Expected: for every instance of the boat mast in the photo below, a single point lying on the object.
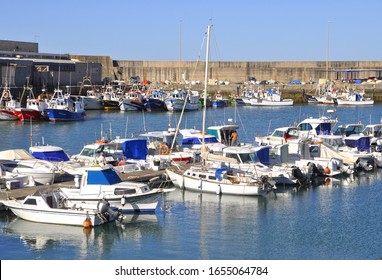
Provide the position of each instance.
(206, 81)
(327, 55)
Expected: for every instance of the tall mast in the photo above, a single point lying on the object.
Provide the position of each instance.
(327, 55)
(206, 81)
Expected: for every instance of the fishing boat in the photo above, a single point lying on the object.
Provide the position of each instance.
(7, 105)
(353, 99)
(35, 108)
(155, 101)
(219, 101)
(62, 108)
(91, 97)
(271, 97)
(132, 101)
(54, 208)
(104, 182)
(111, 99)
(178, 99)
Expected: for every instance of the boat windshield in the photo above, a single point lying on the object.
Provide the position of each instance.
(244, 157)
(249, 158)
(103, 177)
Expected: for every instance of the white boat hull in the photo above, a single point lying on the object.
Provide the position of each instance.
(53, 216)
(209, 186)
(143, 203)
(264, 102)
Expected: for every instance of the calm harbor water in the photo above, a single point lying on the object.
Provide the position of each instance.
(339, 221)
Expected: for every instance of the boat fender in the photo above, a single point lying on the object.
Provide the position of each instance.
(123, 201)
(219, 190)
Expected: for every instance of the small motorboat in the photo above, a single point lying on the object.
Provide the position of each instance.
(54, 208)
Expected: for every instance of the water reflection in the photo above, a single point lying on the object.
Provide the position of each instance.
(83, 243)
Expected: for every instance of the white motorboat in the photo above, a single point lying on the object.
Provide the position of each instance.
(12, 181)
(19, 161)
(225, 181)
(104, 182)
(54, 208)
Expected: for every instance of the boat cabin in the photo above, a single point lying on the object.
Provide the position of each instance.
(349, 129)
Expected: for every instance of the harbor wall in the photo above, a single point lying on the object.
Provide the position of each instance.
(235, 72)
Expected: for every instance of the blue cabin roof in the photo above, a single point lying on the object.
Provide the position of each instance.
(103, 177)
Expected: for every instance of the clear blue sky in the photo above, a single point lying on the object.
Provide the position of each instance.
(243, 30)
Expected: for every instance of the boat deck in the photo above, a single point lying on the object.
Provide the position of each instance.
(136, 176)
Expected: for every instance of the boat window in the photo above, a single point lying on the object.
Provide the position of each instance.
(202, 176)
(211, 140)
(87, 152)
(31, 201)
(249, 158)
(278, 133)
(11, 165)
(305, 126)
(324, 129)
(313, 149)
(234, 156)
(122, 191)
(212, 178)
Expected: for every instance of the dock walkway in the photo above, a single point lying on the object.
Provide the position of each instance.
(136, 176)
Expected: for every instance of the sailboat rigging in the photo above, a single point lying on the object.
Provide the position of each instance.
(209, 178)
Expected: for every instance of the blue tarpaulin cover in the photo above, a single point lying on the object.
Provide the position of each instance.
(52, 156)
(219, 173)
(135, 149)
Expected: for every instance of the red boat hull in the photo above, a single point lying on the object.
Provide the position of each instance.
(29, 114)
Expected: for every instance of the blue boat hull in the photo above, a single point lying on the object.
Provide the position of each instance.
(64, 115)
(155, 105)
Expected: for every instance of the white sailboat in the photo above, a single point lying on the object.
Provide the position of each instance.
(209, 178)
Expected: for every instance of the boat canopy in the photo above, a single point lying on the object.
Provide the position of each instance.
(361, 143)
(135, 149)
(103, 177)
(53, 155)
(15, 154)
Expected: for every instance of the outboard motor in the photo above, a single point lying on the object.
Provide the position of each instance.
(267, 185)
(297, 173)
(365, 164)
(314, 171)
(108, 212)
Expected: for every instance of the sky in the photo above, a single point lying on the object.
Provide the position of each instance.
(173, 30)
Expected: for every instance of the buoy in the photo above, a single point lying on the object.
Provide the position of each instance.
(327, 170)
(87, 223)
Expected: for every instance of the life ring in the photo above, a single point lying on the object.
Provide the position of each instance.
(164, 149)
